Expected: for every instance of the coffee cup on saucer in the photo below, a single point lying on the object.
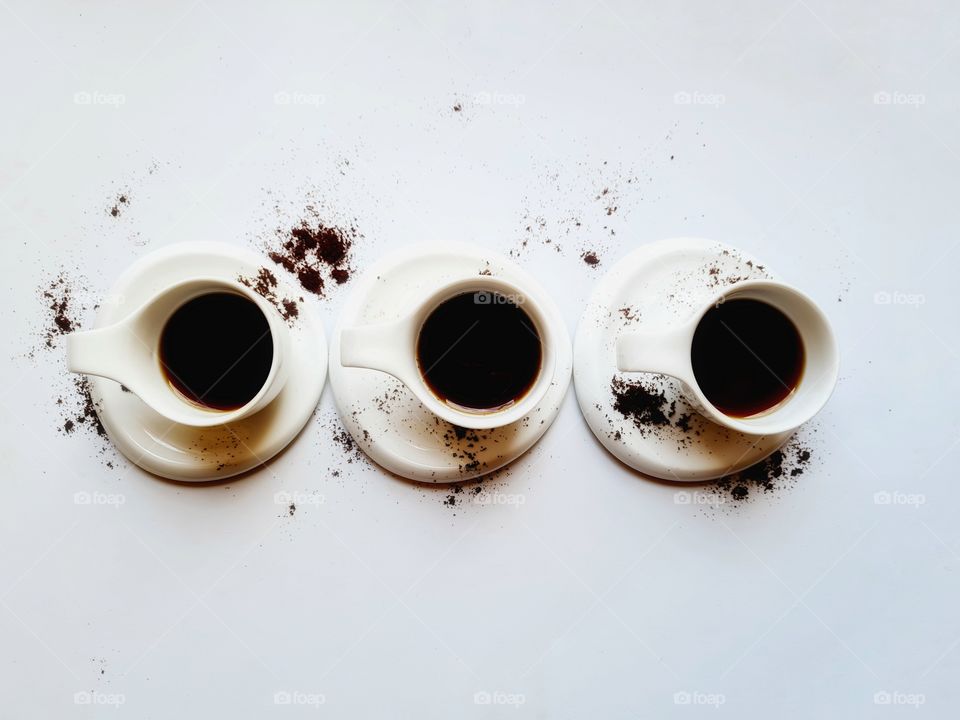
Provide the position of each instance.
(478, 352)
(760, 358)
(202, 352)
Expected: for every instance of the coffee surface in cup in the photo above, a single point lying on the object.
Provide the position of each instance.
(479, 351)
(747, 356)
(217, 350)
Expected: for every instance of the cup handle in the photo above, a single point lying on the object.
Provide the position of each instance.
(105, 352)
(666, 353)
(385, 347)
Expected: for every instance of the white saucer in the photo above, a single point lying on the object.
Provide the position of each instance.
(190, 454)
(656, 286)
(384, 417)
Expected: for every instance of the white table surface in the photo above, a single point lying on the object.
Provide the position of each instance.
(600, 595)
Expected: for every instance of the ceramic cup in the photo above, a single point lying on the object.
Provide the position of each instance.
(669, 353)
(129, 352)
(392, 348)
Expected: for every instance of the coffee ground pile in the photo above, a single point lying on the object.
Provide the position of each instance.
(647, 406)
(265, 285)
(316, 253)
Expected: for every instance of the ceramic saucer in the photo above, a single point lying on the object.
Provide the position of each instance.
(191, 454)
(655, 287)
(384, 417)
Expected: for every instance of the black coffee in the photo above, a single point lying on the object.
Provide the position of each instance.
(217, 350)
(747, 356)
(479, 351)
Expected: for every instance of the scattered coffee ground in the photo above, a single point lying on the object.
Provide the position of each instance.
(610, 204)
(62, 301)
(121, 202)
(718, 278)
(535, 230)
(79, 414)
(88, 410)
(391, 397)
(265, 285)
(647, 406)
(458, 107)
(102, 662)
(775, 472)
(584, 205)
(459, 494)
(225, 447)
(58, 296)
(316, 253)
(468, 493)
(629, 314)
(465, 445)
(344, 440)
(292, 509)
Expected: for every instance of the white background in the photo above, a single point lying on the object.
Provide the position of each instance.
(599, 596)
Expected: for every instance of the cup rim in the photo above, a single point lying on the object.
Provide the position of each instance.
(749, 425)
(193, 413)
(481, 419)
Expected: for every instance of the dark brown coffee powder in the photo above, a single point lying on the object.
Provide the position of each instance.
(265, 285)
(646, 404)
(316, 253)
(58, 297)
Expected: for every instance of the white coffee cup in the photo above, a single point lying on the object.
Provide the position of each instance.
(129, 352)
(392, 348)
(669, 353)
